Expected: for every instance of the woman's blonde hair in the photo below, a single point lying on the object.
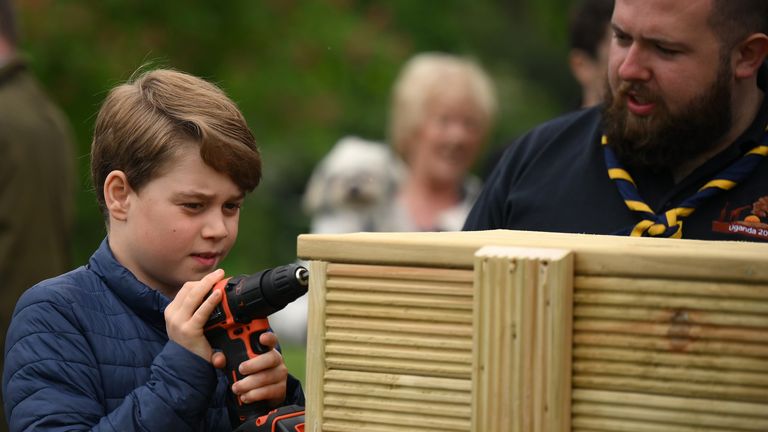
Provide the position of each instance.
(143, 123)
(431, 74)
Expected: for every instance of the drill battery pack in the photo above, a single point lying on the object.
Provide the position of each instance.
(289, 418)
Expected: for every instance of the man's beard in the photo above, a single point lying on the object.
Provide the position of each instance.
(664, 139)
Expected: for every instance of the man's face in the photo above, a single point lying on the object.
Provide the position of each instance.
(670, 87)
(181, 224)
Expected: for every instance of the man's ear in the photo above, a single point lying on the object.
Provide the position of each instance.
(749, 55)
(117, 193)
(582, 66)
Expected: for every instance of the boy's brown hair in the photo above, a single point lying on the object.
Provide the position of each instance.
(144, 122)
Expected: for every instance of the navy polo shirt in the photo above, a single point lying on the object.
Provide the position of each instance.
(554, 179)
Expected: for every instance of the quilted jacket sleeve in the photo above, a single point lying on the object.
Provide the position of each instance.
(52, 382)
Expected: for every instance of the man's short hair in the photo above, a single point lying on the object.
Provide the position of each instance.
(588, 25)
(734, 20)
(143, 123)
(432, 74)
(8, 29)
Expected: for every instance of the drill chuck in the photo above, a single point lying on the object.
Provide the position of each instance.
(266, 292)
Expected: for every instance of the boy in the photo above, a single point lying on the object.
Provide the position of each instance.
(118, 344)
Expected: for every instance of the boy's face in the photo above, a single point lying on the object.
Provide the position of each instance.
(180, 225)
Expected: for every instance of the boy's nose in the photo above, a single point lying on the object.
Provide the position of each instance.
(215, 227)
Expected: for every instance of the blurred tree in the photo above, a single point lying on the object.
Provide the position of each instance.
(303, 72)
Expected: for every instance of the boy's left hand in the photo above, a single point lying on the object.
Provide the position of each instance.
(266, 376)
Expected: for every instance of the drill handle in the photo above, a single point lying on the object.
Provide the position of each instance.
(238, 345)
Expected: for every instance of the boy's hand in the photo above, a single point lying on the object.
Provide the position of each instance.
(266, 376)
(187, 314)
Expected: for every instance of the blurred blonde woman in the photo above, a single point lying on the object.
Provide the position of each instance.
(443, 107)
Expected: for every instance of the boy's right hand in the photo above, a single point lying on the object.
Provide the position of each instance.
(186, 315)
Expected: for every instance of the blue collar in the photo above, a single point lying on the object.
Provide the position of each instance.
(147, 303)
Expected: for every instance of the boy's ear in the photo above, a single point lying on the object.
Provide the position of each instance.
(751, 53)
(117, 193)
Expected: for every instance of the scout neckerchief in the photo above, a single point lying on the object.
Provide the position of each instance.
(670, 223)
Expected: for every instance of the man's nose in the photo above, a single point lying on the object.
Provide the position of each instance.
(634, 66)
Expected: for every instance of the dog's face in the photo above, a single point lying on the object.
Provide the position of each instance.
(356, 174)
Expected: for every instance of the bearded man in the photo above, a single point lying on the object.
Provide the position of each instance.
(678, 148)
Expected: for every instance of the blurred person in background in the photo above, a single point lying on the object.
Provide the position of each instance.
(589, 40)
(442, 110)
(37, 175)
(443, 107)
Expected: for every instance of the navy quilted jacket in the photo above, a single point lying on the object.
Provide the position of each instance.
(88, 350)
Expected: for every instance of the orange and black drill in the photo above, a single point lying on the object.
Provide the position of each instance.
(238, 321)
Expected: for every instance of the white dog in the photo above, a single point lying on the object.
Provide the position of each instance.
(350, 184)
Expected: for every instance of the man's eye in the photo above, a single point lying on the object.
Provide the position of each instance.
(666, 51)
(192, 206)
(622, 38)
(232, 206)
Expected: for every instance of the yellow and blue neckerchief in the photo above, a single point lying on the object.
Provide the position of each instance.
(670, 223)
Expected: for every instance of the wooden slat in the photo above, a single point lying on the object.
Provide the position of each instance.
(403, 312)
(382, 339)
(682, 372)
(410, 273)
(581, 423)
(400, 381)
(672, 418)
(424, 420)
(384, 353)
(415, 395)
(671, 344)
(673, 329)
(355, 426)
(407, 300)
(461, 411)
(716, 362)
(693, 405)
(671, 302)
(401, 326)
(639, 313)
(672, 388)
(673, 287)
(316, 366)
(400, 286)
(395, 366)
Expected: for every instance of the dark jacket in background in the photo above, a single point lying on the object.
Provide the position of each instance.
(37, 174)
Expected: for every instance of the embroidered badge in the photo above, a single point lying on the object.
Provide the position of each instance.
(749, 220)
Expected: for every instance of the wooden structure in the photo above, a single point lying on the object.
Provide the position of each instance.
(535, 332)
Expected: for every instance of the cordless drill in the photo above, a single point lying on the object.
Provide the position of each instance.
(237, 322)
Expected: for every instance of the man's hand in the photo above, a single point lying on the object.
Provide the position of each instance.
(186, 315)
(266, 376)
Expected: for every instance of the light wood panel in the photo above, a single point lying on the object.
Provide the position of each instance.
(655, 334)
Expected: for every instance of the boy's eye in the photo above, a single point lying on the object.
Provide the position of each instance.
(232, 206)
(192, 206)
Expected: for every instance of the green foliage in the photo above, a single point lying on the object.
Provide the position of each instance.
(304, 73)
